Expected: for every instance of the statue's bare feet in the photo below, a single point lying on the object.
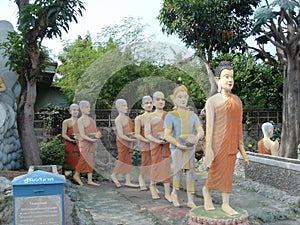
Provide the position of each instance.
(175, 201)
(168, 198)
(142, 183)
(93, 183)
(191, 205)
(208, 204)
(129, 184)
(153, 191)
(115, 180)
(228, 210)
(77, 179)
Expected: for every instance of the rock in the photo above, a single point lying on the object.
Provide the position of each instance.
(6, 211)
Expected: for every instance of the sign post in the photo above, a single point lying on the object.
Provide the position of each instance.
(38, 199)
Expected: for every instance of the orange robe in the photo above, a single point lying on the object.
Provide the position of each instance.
(262, 149)
(87, 150)
(224, 137)
(145, 154)
(160, 155)
(72, 150)
(125, 150)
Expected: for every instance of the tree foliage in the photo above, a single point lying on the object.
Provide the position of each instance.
(39, 20)
(277, 24)
(136, 81)
(129, 32)
(91, 60)
(76, 58)
(208, 26)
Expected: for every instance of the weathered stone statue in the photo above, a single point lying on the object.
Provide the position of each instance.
(224, 136)
(88, 135)
(71, 138)
(266, 145)
(160, 149)
(125, 138)
(10, 89)
(182, 130)
(139, 128)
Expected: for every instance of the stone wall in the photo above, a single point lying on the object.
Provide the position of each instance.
(278, 172)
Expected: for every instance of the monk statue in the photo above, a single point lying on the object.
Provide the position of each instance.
(71, 146)
(160, 149)
(139, 127)
(182, 130)
(125, 140)
(224, 136)
(266, 145)
(87, 138)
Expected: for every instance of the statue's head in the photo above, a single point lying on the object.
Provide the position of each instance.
(83, 103)
(267, 129)
(121, 105)
(84, 107)
(159, 99)
(147, 103)
(224, 76)
(73, 106)
(74, 109)
(180, 96)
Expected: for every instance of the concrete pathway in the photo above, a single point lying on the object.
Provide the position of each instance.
(108, 205)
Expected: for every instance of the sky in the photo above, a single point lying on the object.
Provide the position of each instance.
(100, 13)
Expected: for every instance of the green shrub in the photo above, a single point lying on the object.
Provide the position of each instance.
(136, 158)
(250, 144)
(54, 117)
(53, 152)
(276, 132)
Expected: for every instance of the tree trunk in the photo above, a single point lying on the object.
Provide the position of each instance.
(211, 77)
(25, 119)
(21, 3)
(290, 136)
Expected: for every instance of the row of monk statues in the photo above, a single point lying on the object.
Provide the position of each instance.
(168, 140)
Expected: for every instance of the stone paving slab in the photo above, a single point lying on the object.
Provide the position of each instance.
(108, 207)
(164, 211)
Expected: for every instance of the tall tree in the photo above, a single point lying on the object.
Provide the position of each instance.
(278, 23)
(42, 19)
(208, 26)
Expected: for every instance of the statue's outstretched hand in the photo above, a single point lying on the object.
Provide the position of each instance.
(183, 147)
(208, 158)
(244, 154)
(247, 160)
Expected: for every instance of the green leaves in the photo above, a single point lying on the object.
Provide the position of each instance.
(48, 18)
(14, 50)
(262, 16)
(205, 24)
(53, 152)
(287, 5)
